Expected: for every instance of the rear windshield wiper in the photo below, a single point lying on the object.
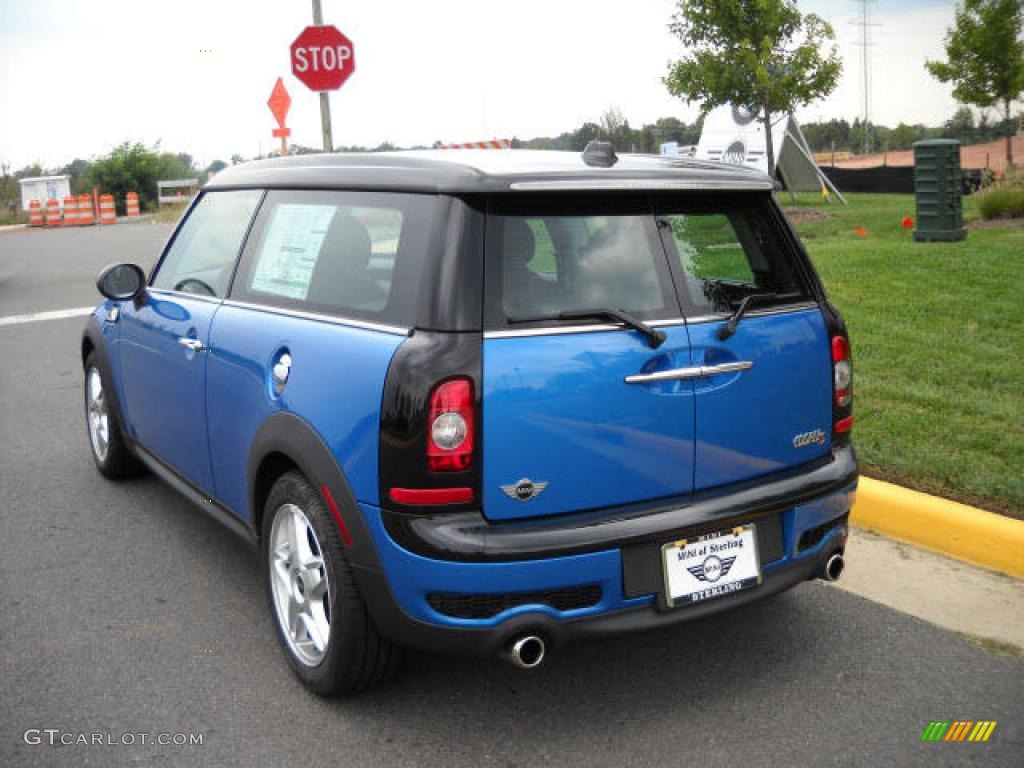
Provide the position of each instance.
(654, 337)
(727, 330)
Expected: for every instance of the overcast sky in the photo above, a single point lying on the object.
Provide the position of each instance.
(79, 76)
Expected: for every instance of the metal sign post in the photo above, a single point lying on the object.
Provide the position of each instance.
(323, 59)
(325, 104)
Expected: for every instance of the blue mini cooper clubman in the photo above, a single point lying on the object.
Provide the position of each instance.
(485, 402)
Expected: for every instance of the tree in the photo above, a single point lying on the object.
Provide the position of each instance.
(763, 55)
(584, 135)
(136, 168)
(216, 166)
(985, 56)
(78, 171)
(30, 172)
(960, 126)
(615, 128)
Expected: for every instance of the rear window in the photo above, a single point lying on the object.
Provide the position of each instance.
(655, 259)
(349, 254)
(554, 259)
(726, 255)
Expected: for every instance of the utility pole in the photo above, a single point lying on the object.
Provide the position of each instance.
(325, 104)
(865, 43)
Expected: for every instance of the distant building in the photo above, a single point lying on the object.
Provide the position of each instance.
(43, 188)
(674, 149)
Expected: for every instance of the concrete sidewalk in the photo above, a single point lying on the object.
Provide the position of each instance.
(935, 588)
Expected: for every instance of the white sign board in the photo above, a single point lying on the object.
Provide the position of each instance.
(733, 135)
(43, 188)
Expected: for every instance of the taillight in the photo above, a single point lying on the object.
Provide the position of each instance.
(842, 371)
(450, 434)
(842, 388)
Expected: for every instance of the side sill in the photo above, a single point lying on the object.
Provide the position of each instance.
(210, 506)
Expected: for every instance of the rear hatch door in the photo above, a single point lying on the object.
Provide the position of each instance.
(771, 406)
(563, 430)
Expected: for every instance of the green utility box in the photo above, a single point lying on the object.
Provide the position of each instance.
(937, 184)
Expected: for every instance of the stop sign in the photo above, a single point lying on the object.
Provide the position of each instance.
(323, 58)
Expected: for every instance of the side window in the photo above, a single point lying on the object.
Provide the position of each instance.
(343, 253)
(342, 257)
(202, 256)
(727, 256)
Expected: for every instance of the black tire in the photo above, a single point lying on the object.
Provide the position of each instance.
(117, 461)
(356, 657)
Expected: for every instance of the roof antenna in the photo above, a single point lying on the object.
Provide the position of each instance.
(600, 154)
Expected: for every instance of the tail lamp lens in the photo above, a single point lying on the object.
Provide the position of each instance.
(842, 371)
(450, 444)
(449, 431)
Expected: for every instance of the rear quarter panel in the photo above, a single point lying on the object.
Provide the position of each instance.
(335, 385)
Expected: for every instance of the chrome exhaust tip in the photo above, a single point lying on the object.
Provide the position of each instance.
(527, 652)
(834, 567)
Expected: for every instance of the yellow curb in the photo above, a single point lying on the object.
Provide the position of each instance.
(966, 533)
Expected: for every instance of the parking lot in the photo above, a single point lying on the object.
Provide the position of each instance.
(125, 611)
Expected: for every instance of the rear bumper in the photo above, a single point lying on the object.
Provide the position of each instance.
(619, 554)
(401, 627)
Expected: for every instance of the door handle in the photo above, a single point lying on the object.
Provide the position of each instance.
(693, 372)
(194, 344)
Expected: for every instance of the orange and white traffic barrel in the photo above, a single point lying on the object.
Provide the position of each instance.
(35, 214)
(131, 204)
(70, 211)
(488, 144)
(52, 213)
(85, 215)
(107, 215)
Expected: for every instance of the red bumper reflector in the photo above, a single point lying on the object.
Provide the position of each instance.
(431, 495)
(336, 514)
(843, 425)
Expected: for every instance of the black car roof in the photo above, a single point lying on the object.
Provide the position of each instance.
(467, 171)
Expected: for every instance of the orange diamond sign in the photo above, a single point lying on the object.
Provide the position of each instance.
(280, 102)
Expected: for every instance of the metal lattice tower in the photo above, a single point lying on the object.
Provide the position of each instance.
(865, 43)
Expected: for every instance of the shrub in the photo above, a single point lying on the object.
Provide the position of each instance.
(1004, 199)
(137, 168)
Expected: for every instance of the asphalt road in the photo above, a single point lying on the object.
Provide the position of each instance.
(125, 611)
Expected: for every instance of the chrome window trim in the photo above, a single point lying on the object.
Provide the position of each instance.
(558, 330)
(185, 295)
(782, 310)
(318, 317)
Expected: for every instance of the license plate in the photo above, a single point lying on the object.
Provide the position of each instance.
(710, 566)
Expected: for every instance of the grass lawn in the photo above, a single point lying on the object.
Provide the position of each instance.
(169, 214)
(938, 345)
(8, 218)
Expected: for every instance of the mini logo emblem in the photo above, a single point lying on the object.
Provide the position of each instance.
(524, 490)
(712, 569)
(814, 437)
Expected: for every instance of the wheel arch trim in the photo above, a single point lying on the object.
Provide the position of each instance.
(94, 341)
(294, 440)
